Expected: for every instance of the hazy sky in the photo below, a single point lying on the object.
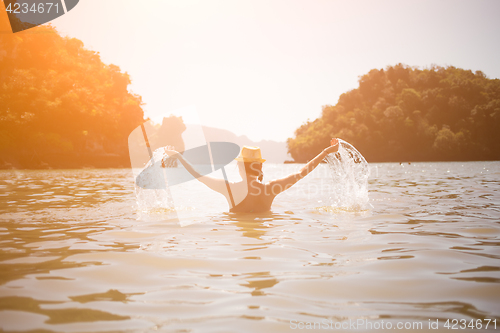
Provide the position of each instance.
(262, 68)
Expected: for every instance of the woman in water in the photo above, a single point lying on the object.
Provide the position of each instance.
(250, 194)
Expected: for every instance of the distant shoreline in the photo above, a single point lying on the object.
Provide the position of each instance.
(64, 161)
(113, 161)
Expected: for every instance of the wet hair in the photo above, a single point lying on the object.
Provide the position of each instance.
(254, 169)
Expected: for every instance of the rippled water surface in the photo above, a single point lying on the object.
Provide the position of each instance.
(76, 254)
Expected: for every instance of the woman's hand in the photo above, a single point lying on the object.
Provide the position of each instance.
(170, 151)
(333, 148)
(170, 160)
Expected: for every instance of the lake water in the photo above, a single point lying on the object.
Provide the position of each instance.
(78, 255)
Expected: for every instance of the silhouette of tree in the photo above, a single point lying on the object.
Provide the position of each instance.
(57, 97)
(404, 113)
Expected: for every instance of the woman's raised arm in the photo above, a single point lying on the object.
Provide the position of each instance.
(280, 185)
(218, 185)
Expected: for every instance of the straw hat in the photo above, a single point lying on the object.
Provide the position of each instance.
(250, 154)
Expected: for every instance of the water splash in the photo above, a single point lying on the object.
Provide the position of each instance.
(150, 201)
(349, 173)
(153, 202)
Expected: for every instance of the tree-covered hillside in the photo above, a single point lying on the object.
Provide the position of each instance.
(408, 114)
(59, 101)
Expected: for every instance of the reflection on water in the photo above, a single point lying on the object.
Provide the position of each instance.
(74, 257)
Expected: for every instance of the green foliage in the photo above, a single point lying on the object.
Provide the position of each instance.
(58, 97)
(410, 114)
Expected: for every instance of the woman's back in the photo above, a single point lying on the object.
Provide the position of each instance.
(259, 198)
